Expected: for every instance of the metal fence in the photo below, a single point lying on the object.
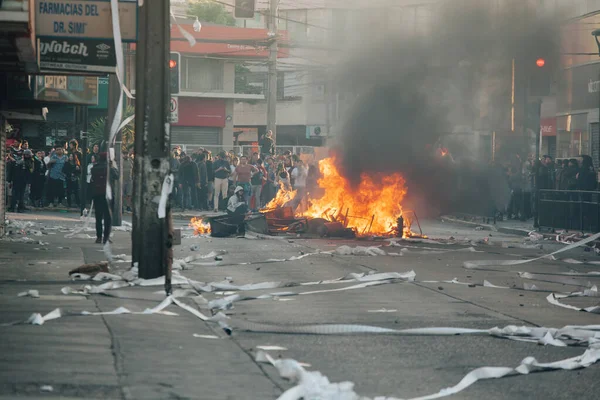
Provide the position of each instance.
(569, 209)
(246, 150)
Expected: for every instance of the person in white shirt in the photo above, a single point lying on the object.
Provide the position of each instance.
(299, 174)
(237, 208)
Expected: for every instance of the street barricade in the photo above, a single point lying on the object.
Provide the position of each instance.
(569, 209)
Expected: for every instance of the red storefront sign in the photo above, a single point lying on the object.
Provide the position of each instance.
(548, 126)
(194, 111)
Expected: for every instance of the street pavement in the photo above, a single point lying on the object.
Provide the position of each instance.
(155, 356)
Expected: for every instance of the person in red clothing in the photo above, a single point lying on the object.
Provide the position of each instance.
(242, 176)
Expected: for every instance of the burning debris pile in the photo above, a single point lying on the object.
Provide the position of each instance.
(371, 207)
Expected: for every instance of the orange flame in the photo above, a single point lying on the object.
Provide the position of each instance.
(283, 197)
(200, 227)
(372, 207)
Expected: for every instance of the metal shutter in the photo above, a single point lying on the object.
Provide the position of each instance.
(594, 128)
(194, 135)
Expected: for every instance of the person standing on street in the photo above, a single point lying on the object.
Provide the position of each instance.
(267, 145)
(299, 174)
(210, 174)
(242, 176)
(98, 184)
(202, 182)
(221, 172)
(95, 153)
(72, 172)
(188, 182)
(38, 180)
(259, 178)
(20, 176)
(56, 177)
(75, 151)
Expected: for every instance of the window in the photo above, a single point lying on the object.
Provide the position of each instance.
(289, 86)
(201, 75)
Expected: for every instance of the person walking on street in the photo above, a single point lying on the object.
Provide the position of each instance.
(100, 179)
(21, 174)
(221, 172)
(56, 177)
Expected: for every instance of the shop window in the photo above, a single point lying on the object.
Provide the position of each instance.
(201, 75)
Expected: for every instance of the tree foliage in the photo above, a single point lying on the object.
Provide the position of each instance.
(96, 132)
(241, 81)
(208, 11)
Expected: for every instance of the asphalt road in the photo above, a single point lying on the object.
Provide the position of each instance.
(158, 357)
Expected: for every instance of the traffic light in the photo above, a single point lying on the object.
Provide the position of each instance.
(244, 9)
(540, 81)
(174, 69)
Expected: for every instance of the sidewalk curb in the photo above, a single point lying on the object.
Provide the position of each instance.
(487, 227)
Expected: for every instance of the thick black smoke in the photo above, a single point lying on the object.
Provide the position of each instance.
(409, 92)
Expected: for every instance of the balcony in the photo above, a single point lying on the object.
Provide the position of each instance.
(17, 36)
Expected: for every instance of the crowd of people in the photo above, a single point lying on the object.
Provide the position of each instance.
(50, 179)
(525, 178)
(204, 182)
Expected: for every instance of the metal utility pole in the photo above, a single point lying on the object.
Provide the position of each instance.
(81, 120)
(152, 238)
(272, 95)
(114, 91)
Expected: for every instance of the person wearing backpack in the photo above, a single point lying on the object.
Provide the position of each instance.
(98, 184)
(258, 179)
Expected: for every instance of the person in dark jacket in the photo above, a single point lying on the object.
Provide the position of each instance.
(210, 173)
(267, 145)
(72, 172)
(203, 182)
(100, 172)
(38, 180)
(21, 173)
(188, 182)
(586, 178)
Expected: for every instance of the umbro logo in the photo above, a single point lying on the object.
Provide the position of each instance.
(103, 47)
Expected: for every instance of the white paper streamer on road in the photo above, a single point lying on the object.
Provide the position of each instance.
(314, 385)
(564, 280)
(492, 263)
(553, 299)
(30, 293)
(37, 319)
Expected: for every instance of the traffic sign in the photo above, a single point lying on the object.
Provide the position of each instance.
(174, 106)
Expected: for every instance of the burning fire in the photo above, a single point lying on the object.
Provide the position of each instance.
(372, 207)
(283, 197)
(200, 227)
